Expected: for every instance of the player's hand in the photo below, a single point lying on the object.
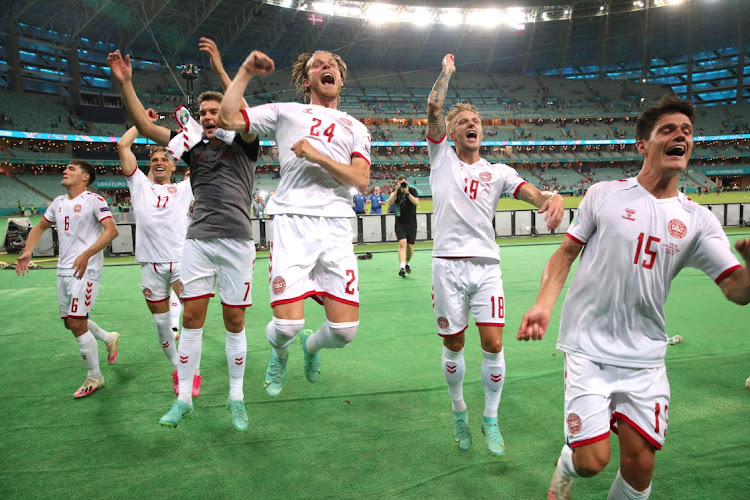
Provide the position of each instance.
(152, 115)
(80, 265)
(209, 47)
(22, 266)
(555, 209)
(449, 64)
(257, 63)
(303, 149)
(121, 68)
(743, 247)
(533, 324)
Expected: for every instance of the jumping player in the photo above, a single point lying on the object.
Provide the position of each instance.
(639, 233)
(323, 154)
(84, 228)
(219, 251)
(465, 266)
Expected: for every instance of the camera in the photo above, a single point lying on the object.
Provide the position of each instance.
(404, 185)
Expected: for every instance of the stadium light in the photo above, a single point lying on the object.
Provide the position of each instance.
(420, 16)
(324, 7)
(380, 13)
(450, 17)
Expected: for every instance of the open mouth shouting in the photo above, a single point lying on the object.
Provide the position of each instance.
(327, 79)
(677, 150)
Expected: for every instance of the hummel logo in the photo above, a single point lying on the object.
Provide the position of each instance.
(238, 361)
(629, 212)
(450, 369)
(496, 378)
(309, 111)
(184, 359)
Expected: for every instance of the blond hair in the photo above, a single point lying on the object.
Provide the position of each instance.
(301, 67)
(450, 118)
(160, 149)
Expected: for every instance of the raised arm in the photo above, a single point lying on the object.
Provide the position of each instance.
(435, 118)
(32, 239)
(122, 71)
(536, 320)
(736, 286)
(546, 201)
(230, 113)
(128, 162)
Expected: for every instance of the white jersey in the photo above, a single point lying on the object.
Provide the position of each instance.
(465, 199)
(78, 227)
(160, 218)
(635, 246)
(307, 188)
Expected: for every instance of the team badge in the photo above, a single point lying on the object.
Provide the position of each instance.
(574, 423)
(77, 208)
(183, 117)
(485, 177)
(278, 285)
(147, 293)
(443, 323)
(172, 189)
(677, 228)
(346, 122)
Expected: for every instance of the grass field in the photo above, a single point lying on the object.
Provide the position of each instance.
(378, 422)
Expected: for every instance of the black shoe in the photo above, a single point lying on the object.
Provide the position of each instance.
(402, 272)
(407, 269)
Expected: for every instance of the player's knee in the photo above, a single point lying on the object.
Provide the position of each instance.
(281, 332)
(638, 466)
(589, 463)
(343, 333)
(454, 343)
(492, 345)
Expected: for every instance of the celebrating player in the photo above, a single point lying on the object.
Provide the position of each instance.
(323, 154)
(639, 233)
(84, 228)
(219, 250)
(465, 266)
(160, 225)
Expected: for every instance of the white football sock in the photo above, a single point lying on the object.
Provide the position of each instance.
(175, 308)
(236, 349)
(166, 337)
(188, 355)
(621, 490)
(99, 333)
(454, 369)
(493, 376)
(565, 463)
(332, 336)
(90, 354)
(280, 333)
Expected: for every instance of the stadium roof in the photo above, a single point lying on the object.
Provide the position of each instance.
(609, 38)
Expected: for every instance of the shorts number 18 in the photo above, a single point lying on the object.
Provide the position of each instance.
(498, 307)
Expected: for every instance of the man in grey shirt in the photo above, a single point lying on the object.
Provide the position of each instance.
(219, 251)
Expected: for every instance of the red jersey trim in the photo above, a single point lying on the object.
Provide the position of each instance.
(727, 273)
(45, 218)
(209, 295)
(575, 239)
(247, 120)
(76, 317)
(132, 174)
(632, 424)
(453, 334)
(433, 141)
(316, 296)
(107, 217)
(453, 258)
(238, 305)
(156, 301)
(515, 193)
(338, 299)
(361, 156)
(491, 324)
(592, 440)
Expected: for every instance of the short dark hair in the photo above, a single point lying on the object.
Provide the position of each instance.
(667, 105)
(210, 95)
(86, 167)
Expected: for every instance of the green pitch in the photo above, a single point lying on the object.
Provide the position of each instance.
(377, 424)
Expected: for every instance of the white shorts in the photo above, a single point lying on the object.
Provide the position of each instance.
(312, 257)
(462, 284)
(76, 297)
(157, 279)
(222, 263)
(596, 395)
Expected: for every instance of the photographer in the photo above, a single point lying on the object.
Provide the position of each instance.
(405, 199)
